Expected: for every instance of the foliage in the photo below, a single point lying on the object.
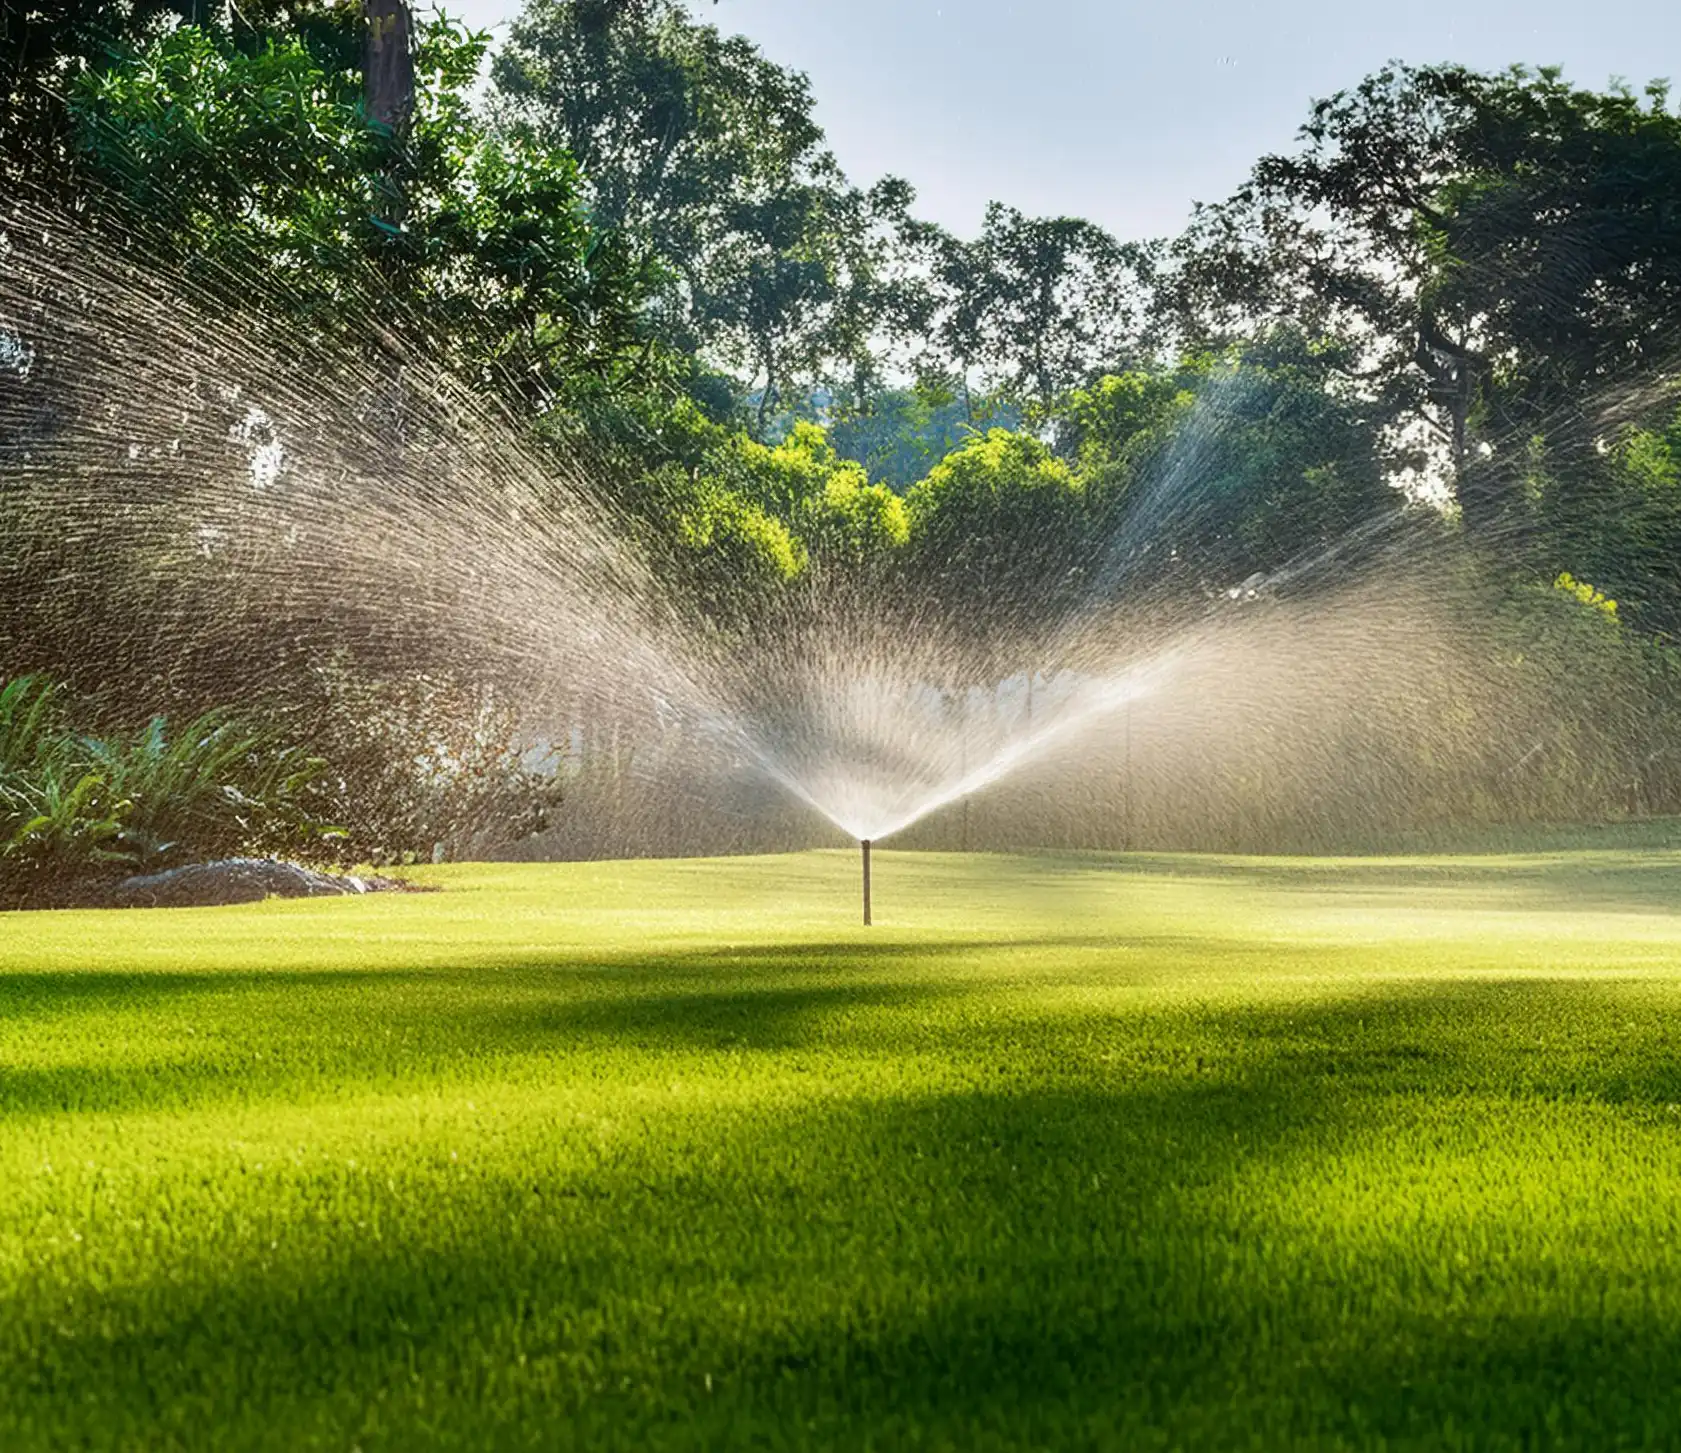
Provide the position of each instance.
(1501, 247)
(1270, 462)
(56, 812)
(47, 50)
(705, 158)
(1037, 305)
(262, 162)
(742, 549)
(1585, 594)
(1613, 514)
(853, 522)
(425, 764)
(1100, 426)
(1000, 522)
(899, 434)
(77, 806)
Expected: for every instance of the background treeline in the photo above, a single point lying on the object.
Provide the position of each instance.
(1458, 295)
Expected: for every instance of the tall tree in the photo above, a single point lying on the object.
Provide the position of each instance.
(267, 160)
(388, 71)
(1494, 246)
(707, 158)
(1039, 305)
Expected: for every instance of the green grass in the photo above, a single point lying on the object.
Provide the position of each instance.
(1066, 1153)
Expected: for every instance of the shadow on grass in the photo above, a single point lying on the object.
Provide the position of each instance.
(1091, 1264)
(194, 1040)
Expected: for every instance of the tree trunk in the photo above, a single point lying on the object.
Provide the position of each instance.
(765, 395)
(388, 66)
(1453, 369)
(388, 99)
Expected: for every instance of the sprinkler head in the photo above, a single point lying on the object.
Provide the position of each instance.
(864, 845)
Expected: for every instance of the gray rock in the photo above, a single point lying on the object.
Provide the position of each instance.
(235, 880)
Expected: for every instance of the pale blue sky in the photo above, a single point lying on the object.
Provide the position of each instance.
(1128, 113)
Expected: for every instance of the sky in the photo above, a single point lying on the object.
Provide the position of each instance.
(1127, 113)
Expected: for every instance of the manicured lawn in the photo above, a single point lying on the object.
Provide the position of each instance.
(1065, 1153)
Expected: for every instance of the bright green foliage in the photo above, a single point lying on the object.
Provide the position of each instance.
(738, 520)
(1001, 520)
(264, 161)
(854, 522)
(1584, 593)
(1122, 417)
(785, 477)
(998, 472)
(740, 540)
(1066, 1153)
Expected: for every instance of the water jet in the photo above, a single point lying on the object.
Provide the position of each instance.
(243, 494)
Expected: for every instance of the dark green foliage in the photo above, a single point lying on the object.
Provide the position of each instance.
(261, 163)
(49, 47)
(1612, 515)
(75, 806)
(1503, 247)
(58, 814)
(1273, 463)
(898, 435)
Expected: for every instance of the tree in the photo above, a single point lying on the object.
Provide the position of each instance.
(706, 158)
(1496, 248)
(388, 70)
(47, 48)
(669, 120)
(905, 432)
(1564, 230)
(1039, 304)
(998, 531)
(266, 161)
(763, 303)
(1246, 462)
(880, 302)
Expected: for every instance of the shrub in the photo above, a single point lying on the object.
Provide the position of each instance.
(76, 807)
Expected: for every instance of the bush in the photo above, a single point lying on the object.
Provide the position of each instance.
(427, 764)
(76, 807)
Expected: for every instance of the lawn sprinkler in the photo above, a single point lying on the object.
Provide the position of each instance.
(864, 843)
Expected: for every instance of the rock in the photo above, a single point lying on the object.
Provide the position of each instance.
(236, 880)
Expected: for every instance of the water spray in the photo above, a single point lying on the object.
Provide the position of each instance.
(864, 843)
